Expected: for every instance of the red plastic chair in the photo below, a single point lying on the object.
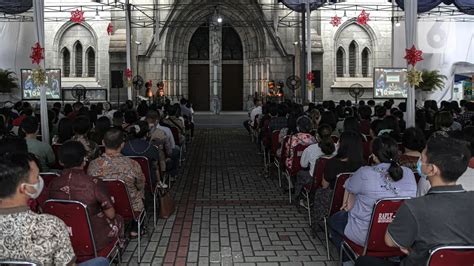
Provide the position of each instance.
(122, 203)
(56, 164)
(76, 217)
(48, 177)
(295, 166)
(280, 161)
(336, 203)
(43, 197)
(275, 143)
(382, 215)
(451, 255)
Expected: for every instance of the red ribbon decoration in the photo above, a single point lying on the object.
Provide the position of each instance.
(77, 16)
(413, 55)
(363, 18)
(128, 73)
(37, 54)
(110, 28)
(335, 21)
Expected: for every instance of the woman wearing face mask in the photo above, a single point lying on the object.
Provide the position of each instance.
(75, 184)
(137, 145)
(386, 179)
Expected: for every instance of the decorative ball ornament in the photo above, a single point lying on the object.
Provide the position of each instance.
(37, 54)
(77, 16)
(413, 55)
(39, 77)
(110, 29)
(363, 18)
(335, 21)
(414, 77)
(310, 76)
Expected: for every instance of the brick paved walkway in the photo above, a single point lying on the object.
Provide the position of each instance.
(227, 214)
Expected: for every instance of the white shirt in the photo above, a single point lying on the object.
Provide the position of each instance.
(310, 155)
(169, 135)
(255, 111)
(466, 180)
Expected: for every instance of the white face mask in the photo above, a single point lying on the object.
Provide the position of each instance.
(38, 187)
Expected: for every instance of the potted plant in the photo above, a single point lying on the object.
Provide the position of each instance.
(432, 80)
(8, 81)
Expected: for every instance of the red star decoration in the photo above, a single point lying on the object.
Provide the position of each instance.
(363, 18)
(413, 55)
(335, 21)
(110, 28)
(77, 16)
(37, 54)
(128, 73)
(310, 76)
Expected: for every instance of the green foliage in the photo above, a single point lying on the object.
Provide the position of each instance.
(8, 81)
(432, 80)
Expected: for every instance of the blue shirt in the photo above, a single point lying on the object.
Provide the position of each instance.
(369, 184)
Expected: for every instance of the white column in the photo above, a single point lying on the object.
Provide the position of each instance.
(169, 81)
(180, 78)
(411, 11)
(262, 77)
(268, 70)
(175, 77)
(256, 76)
(164, 75)
(250, 79)
(128, 33)
(308, 46)
(214, 75)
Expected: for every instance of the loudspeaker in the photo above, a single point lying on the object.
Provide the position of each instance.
(316, 78)
(117, 79)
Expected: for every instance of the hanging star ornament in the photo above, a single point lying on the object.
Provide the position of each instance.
(413, 55)
(110, 28)
(414, 77)
(39, 77)
(77, 16)
(128, 73)
(363, 18)
(37, 54)
(335, 21)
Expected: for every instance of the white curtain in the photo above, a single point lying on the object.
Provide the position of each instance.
(411, 8)
(128, 32)
(38, 13)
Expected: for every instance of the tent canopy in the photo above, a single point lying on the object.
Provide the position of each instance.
(465, 6)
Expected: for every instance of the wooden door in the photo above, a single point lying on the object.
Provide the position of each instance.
(232, 87)
(198, 86)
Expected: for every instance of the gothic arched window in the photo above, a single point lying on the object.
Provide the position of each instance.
(352, 59)
(90, 62)
(78, 57)
(199, 44)
(231, 44)
(66, 62)
(365, 62)
(340, 62)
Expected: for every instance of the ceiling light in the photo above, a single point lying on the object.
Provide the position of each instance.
(219, 19)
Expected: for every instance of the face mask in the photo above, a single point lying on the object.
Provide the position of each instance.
(418, 169)
(38, 187)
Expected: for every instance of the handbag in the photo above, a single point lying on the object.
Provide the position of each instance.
(166, 204)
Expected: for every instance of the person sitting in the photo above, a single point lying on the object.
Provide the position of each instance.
(26, 235)
(324, 147)
(101, 126)
(365, 114)
(112, 164)
(443, 216)
(137, 145)
(174, 119)
(65, 131)
(75, 184)
(81, 127)
(348, 159)
(257, 110)
(41, 150)
(302, 137)
(413, 141)
(386, 179)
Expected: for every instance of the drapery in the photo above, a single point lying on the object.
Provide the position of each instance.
(300, 5)
(410, 33)
(15, 6)
(465, 6)
(128, 32)
(38, 15)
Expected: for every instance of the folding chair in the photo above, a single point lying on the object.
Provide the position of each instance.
(48, 177)
(336, 204)
(40, 201)
(76, 217)
(182, 148)
(317, 180)
(280, 161)
(382, 215)
(295, 166)
(451, 255)
(56, 164)
(16, 262)
(123, 206)
(152, 188)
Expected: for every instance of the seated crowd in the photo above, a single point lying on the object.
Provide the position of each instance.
(90, 145)
(385, 159)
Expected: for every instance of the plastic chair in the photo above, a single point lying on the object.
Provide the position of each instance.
(451, 255)
(280, 161)
(382, 215)
(336, 203)
(295, 166)
(43, 197)
(76, 217)
(48, 177)
(175, 132)
(123, 206)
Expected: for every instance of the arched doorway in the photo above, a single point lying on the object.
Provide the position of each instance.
(198, 71)
(232, 70)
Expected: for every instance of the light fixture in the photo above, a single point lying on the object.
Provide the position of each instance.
(219, 19)
(137, 43)
(397, 23)
(345, 15)
(97, 16)
(295, 43)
